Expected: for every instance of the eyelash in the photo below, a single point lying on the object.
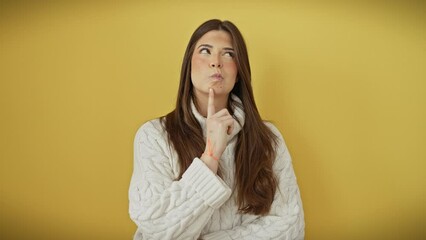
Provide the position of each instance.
(206, 49)
(231, 54)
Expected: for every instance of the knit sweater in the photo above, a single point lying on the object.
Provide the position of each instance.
(201, 205)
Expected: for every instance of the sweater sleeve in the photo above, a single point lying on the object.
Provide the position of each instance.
(285, 219)
(162, 207)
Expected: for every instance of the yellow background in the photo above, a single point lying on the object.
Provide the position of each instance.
(345, 83)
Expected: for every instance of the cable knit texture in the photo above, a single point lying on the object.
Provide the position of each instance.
(201, 205)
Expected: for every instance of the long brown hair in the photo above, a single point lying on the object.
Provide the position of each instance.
(255, 148)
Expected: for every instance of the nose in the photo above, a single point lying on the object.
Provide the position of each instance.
(215, 63)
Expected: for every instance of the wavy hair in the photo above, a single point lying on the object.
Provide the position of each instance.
(255, 149)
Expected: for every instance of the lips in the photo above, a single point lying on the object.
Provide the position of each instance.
(217, 76)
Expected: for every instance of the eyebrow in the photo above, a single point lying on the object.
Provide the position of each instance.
(210, 46)
(228, 48)
(205, 45)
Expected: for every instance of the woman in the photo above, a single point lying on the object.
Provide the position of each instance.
(212, 169)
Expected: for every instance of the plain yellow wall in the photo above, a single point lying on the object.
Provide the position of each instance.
(345, 83)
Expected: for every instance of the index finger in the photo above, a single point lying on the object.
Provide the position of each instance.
(210, 105)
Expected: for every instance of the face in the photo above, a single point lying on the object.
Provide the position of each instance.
(213, 64)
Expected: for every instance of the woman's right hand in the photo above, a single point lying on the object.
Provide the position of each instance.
(219, 125)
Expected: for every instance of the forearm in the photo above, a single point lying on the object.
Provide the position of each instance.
(288, 225)
(181, 209)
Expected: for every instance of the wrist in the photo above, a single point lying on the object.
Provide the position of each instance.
(210, 162)
(211, 155)
(213, 151)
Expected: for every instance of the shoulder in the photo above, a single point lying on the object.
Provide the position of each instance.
(281, 147)
(151, 129)
(274, 130)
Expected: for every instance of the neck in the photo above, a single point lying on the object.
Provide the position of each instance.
(220, 102)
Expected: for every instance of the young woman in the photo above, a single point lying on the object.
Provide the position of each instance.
(211, 168)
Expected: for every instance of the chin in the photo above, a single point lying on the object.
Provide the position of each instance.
(218, 90)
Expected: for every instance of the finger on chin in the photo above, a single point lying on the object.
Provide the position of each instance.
(210, 104)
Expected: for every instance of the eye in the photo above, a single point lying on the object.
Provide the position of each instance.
(204, 50)
(229, 54)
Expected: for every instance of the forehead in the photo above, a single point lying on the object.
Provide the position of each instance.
(217, 38)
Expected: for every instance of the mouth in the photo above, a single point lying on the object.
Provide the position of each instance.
(217, 76)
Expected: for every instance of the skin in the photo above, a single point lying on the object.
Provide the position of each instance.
(214, 54)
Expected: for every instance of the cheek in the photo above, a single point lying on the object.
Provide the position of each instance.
(231, 68)
(196, 71)
(196, 63)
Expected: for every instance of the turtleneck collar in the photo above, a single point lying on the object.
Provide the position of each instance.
(238, 113)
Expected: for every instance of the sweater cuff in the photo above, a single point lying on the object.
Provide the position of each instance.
(210, 187)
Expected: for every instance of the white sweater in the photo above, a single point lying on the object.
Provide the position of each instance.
(201, 205)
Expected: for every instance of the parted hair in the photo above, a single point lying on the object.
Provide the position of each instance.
(255, 149)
